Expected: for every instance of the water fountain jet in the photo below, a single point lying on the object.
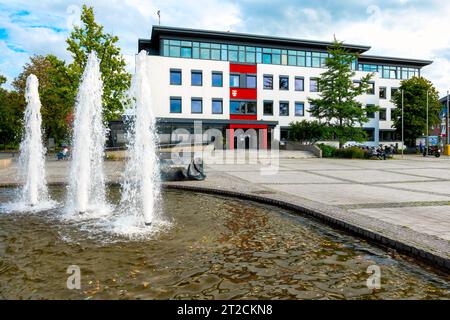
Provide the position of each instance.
(31, 166)
(87, 181)
(141, 186)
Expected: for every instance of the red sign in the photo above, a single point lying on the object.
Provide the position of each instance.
(243, 93)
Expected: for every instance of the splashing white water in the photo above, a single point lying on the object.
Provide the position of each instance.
(33, 194)
(141, 185)
(86, 179)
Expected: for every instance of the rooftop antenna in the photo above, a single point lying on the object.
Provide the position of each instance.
(159, 17)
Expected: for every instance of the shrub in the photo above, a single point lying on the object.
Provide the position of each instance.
(352, 153)
(327, 151)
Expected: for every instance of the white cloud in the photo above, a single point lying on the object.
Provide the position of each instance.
(415, 29)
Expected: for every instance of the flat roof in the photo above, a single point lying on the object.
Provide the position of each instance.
(159, 32)
(246, 38)
(393, 60)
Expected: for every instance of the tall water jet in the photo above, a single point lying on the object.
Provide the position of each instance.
(141, 186)
(86, 179)
(32, 152)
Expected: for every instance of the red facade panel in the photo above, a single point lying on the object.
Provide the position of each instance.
(243, 117)
(243, 68)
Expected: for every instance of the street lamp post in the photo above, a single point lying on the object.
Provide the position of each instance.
(403, 122)
(428, 138)
(447, 120)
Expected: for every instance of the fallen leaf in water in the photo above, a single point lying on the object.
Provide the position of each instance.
(145, 284)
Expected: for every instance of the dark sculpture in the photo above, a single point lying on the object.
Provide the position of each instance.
(179, 172)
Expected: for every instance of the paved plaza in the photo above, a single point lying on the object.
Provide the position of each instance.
(412, 192)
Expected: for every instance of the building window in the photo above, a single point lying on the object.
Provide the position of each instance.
(371, 89)
(196, 105)
(251, 81)
(242, 107)
(175, 105)
(186, 52)
(299, 84)
(284, 83)
(268, 82)
(370, 133)
(382, 92)
(175, 77)
(268, 108)
(196, 78)
(370, 115)
(217, 79)
(299, 109)
(267, 58)
(284, 108)
(314, 85)
(383, 116)
(217, 106)
(234, 81)
(393, 92)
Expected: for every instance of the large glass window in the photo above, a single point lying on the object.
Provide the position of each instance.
(268, 108)
(299, 109)
(284, 108)
(217, 79)
(268, 81)
(251, 81)
(314, 85)
(196, 105)
(299, 84)
(186, 52)
(175, 105)
(284, 83)
(242, 107)
(175, 77)
(234, 81)
(217, 106)
(215, 54)
(251, 54)
(196, 78)
(267, 58)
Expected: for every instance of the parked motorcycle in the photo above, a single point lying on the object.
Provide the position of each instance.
(433, 150)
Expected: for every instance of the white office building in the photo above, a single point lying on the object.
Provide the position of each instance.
(232, 81)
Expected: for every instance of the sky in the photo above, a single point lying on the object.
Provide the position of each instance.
(400, 28)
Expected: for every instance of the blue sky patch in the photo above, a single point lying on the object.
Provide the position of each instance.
(3, 33)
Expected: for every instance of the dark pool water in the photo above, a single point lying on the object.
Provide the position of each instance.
(216, 248)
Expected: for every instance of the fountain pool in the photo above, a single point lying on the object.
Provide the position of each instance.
(214, 248)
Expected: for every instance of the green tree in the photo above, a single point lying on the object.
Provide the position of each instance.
(90, 37)
(11, 112)
(55, 91)
(415, 108)
(337, 104)
(309, 132)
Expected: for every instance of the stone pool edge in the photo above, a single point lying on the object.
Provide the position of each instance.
(435, 260)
